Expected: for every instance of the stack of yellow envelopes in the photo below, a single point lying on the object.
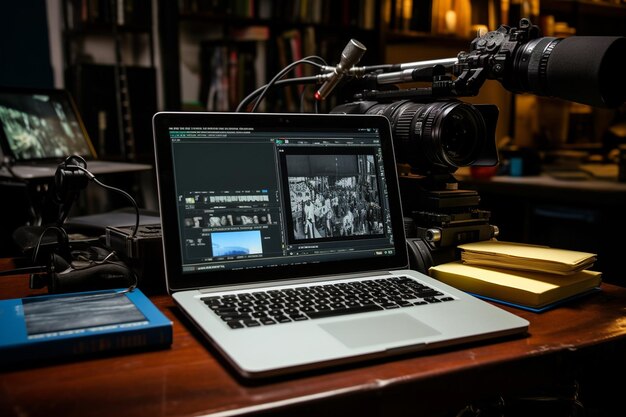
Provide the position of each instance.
(529, 276)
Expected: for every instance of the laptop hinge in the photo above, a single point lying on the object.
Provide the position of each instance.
(295, 281)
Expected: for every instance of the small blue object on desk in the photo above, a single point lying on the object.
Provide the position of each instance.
(516, 165)
(75, 325)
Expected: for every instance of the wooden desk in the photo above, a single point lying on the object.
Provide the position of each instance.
(584, 340)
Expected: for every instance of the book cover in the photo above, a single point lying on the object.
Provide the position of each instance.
(531, 289)
(65, 326)
(526, 257)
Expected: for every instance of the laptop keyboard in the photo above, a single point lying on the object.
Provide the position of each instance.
(252, 309)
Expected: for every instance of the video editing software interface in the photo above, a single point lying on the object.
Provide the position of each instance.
(250, 197)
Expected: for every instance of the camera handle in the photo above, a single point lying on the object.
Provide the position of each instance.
(467, 84)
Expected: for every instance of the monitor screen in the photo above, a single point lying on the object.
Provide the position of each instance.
(258, 196)
(40, 125)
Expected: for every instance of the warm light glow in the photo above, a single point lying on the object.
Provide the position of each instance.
(450, 21)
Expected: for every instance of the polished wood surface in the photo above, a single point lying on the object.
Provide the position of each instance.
(188, 379)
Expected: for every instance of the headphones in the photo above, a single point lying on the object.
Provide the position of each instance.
(91, 269)
(62, 269)
(59, 265)
(70, 179)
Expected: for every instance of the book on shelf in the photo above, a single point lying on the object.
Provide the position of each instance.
(526, 257)
(228, 72)
(357, 14)
(289, 47)
(69, 326)
(534, 291)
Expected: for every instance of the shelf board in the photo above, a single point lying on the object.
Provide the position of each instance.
(596, 8)
(398, 37)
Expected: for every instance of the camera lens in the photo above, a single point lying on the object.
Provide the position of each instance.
(440, 136)
(585, 69)
(460, 135)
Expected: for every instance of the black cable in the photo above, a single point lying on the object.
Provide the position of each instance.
(64, 211)
(118, 190)
(108, 187)
(62, 234)
(299, 80)
(278, 76)
(308, 60)
(302, 101)
(25, 270)
(115, 261)
(287, 81)
(67, 186)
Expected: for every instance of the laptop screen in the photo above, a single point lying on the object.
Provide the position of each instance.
(40, 125)
(259, 196)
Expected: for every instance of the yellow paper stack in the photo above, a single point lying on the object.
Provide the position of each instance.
(527, 275)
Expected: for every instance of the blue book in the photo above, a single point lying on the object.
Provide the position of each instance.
(76, 325)
(544, 308)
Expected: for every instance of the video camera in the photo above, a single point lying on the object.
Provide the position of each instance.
(435, 133)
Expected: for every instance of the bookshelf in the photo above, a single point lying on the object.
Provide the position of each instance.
(214, 53)
(589, 17)
(439, 21)
(109, 68)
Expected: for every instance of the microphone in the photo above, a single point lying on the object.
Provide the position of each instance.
(350, 56)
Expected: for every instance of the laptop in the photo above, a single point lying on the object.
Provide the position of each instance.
(284, 244)
(40, 128)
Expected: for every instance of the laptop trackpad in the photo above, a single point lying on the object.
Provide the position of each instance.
(371, 331)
